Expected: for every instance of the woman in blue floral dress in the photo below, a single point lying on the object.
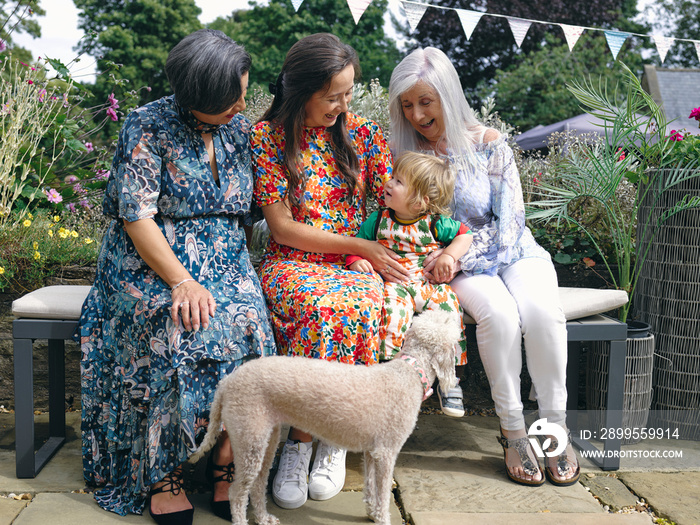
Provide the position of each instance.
(176, 304)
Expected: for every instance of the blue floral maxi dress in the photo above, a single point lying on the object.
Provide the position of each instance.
(147, 384)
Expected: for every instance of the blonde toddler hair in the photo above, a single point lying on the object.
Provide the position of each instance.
(428, 178)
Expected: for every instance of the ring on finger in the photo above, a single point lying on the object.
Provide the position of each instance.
(387, 269)
(184, 303)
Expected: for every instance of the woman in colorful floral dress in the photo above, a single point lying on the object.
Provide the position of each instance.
(176, 304)
(316, 165)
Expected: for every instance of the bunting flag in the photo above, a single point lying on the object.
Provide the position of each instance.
(615, 40)
(469, 20)
(663, 44)
(572, 34)
(358, 8)
(297, 4)
(414, 12)
(519, 28)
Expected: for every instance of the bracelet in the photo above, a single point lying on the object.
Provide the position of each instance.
(178, 284)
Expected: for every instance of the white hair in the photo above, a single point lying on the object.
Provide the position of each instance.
(462, 129)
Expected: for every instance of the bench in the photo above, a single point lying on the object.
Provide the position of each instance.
(49, 313)
(52, 313)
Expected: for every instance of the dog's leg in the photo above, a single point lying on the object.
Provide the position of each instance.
(258, 494)
(384, 461)
(370, 486)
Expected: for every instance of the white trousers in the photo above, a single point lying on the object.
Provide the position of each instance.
(521, 302)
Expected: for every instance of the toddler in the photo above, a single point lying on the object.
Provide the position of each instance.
(415, 223)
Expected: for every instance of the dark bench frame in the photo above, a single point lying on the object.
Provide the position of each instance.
(25, 331)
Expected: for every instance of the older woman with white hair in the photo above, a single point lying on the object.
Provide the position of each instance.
(506, 281)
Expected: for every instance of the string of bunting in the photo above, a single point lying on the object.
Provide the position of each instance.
(414, 12)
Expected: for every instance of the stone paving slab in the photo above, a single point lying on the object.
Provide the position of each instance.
(610, 491)
(542, 518)
(69, 508)
(675, 496)
(10, 509)
(457, 464)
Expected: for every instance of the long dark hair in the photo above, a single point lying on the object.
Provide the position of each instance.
(309, 67)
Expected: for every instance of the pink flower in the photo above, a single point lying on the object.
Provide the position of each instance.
(622, 155)
(30, 81)
(695, 114)
(112, 114)
(71, 178)
(89, 147)
(102, 174)
(42, 95)
(113, 102)
(675, 135)
(3, 46)
(85, 204)
(79, 189)
(71, 207)
(53, 196)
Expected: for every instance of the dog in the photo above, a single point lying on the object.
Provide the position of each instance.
(370, 409)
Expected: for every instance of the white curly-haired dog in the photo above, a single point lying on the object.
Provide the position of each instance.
(371, 409)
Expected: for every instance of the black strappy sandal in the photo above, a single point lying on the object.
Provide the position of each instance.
(172, 483)
(531, 469)
(563, 465)
(222, 509)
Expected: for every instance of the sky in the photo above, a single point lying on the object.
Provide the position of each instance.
(60, 33)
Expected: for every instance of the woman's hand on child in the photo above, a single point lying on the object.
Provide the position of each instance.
(385, 262)
(430, 270)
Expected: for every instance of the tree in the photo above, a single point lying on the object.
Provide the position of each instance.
(17, 17)
(267, 32)
(137, 35)
(492, 47)
(533, 91)
(680, 19)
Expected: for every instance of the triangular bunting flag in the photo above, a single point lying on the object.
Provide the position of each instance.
(572, 34)
(615, 40)
(663, 44)
(519, 28)
(297, 4)
(414, 12)
(358, 7)
(697, 49)
(469, 20)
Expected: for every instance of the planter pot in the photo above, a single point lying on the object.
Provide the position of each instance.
(668, 297)
(639, 364)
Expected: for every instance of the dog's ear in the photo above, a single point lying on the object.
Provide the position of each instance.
(444, 366)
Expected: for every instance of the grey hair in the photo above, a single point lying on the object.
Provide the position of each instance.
(462, 129)
(205, 69)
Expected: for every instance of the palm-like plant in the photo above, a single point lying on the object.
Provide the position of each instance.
(634, 149)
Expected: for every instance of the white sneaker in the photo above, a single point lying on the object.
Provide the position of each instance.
(328, 473)
(291, 486)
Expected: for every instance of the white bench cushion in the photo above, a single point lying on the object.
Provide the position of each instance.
(66, 302)
(583, 302)
(52, 302)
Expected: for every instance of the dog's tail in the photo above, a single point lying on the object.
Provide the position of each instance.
(213, 430)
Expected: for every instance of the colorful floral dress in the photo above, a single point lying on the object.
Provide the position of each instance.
(413, 241)
(318, 308)
(147, 384)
